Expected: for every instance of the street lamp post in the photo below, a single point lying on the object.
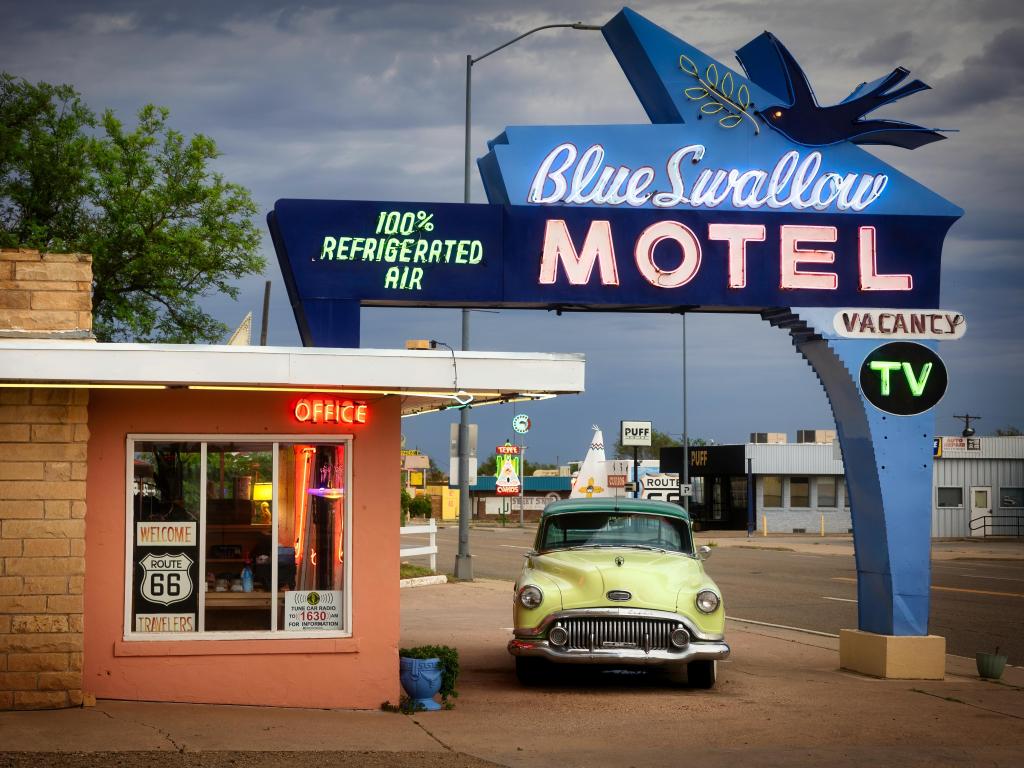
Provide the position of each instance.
(463, 563)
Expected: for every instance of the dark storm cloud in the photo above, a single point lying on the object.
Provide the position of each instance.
(365, 100)
(994, 77)
(886, 50)
(217, 17)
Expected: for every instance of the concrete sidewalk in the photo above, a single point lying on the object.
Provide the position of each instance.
(780, 700)
(842, 544)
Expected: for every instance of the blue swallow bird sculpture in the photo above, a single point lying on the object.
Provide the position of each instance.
(799, 117)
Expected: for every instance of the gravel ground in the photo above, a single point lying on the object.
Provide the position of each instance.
(240, 760)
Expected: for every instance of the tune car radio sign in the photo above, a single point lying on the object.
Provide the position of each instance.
(743, 194)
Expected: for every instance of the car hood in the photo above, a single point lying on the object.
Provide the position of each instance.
(654, 579)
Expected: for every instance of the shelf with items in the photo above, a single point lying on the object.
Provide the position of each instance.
(238, 600)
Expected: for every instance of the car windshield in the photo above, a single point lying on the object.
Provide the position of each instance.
(615, 529)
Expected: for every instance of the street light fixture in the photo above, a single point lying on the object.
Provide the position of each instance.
(463, 563)
(967, 419)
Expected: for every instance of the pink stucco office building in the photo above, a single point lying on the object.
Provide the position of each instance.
(206, 523)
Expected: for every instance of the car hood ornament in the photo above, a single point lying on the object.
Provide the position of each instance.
(619, 561)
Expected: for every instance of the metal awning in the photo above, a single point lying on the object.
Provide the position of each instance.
(428, 380)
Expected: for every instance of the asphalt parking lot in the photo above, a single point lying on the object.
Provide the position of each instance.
(809, 582)
(780, 701)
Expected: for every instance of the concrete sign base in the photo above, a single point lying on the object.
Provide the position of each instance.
(892, 657)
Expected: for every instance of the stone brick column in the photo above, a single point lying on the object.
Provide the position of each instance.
(43, 440)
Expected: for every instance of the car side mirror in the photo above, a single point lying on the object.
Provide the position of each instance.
(704, 552)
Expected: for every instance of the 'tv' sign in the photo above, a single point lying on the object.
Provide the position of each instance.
(903, 378)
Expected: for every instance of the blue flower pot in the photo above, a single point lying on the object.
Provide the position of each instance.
(421, 679)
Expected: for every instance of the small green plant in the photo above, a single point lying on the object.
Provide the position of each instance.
(449, 658)
(406, 499)
(712, 544)
(405, 706)
(420, 507)
(410, 571)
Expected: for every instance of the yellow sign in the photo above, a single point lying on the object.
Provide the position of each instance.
(416, 479)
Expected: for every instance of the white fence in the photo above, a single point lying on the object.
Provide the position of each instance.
(431, 549)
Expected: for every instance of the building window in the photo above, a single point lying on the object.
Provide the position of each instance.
(1011, 497)
(950, 497)
(239, 538)
(799, 492)
(826, 491)
(772, 485)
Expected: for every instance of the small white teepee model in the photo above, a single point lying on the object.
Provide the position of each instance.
(592, 480)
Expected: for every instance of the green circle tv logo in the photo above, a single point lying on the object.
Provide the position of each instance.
(903, 378)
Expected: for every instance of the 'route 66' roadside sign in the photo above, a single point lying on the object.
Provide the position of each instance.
(165, 578)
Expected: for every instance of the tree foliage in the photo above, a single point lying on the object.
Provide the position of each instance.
(44, 167)
(163, 229)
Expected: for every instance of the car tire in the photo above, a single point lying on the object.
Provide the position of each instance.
(702, 674)
(530, 671)
(676, 674)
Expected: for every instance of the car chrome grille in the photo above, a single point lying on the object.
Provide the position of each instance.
(597, 633)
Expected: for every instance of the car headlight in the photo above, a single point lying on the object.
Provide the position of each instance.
(558, 635)
(707, 601)
(530, 596)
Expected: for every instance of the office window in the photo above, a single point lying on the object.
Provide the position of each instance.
(238, 537)
(799, 492)
(772, 485)
(826, 491)
(950, 497)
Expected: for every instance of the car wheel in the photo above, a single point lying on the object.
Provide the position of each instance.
(530, 671)
(702, 674)
(676, 674)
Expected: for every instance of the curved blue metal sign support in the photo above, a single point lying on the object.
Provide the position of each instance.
(744, 195)
(888, 463)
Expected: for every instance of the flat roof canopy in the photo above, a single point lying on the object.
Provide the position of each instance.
(429, 379)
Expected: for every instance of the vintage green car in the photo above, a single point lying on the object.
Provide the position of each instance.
(617, 582)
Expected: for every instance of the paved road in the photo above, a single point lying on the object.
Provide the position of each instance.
(976, 604)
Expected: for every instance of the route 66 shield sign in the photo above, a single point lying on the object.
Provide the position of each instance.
(165, 578)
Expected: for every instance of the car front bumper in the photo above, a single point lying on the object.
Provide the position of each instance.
(607, 630)
(694, 651)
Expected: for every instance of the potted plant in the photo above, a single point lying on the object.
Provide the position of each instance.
(427, 670)
(990, 665)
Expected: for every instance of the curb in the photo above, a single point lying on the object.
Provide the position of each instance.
(422, 581)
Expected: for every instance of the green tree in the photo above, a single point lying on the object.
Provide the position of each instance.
(163, 229)
(489, 468)
(406, 500)
(1009, 431)
(420, 507)
(44, 166)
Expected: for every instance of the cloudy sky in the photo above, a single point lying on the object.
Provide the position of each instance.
(364, 100)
